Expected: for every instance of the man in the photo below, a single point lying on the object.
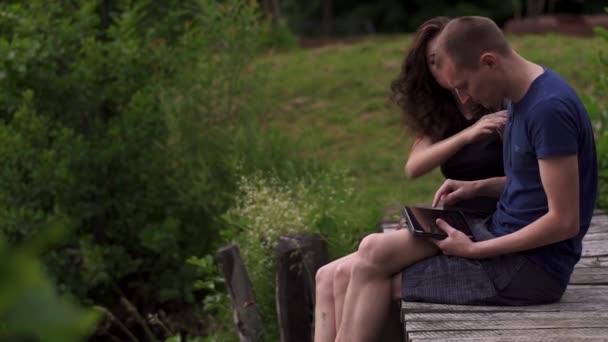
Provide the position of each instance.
(526, 252)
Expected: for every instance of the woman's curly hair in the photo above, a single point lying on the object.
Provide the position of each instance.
(427, 108)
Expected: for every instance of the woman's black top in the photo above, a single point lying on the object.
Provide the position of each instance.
(479, 160)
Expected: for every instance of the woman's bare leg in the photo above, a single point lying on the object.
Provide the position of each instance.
(325, 320)
(341, 278)
(379, 258)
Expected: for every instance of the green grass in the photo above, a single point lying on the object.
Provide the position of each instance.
(334, 101)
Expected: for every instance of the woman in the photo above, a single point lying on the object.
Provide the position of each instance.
(455, 134)
(452, 132)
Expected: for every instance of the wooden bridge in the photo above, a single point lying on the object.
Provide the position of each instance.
(582, 313)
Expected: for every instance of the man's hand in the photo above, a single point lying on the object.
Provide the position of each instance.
(452, 191)
(456, 244)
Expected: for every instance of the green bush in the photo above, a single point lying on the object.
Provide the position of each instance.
(134, 127)
(30, 307)
(266, 207)
(123, 121)
(595, 104)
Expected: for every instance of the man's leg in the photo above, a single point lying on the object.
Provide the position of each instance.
(379, 258)
(325, 320)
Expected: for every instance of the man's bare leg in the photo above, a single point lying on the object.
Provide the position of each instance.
(379, 258)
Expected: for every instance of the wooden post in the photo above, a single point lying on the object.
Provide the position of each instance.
(246, 316)
(299, 256)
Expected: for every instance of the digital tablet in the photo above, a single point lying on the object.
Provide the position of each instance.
(422, 221)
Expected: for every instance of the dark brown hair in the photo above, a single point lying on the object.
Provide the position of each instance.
(465, 39)
(427, 108)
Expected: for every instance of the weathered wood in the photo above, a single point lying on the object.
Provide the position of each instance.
(542, 323)
(595, 248)
(389, 226)
(445, 308)
(245, 313)
(596, 236)
(590, 275)
(513, 333)
(599, 224)
(593, 261)
(580, 315)
(531, 335)
(482, 317)
(299, 256)
(567, 338)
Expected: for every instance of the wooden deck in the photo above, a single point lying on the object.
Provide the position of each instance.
(582, 314)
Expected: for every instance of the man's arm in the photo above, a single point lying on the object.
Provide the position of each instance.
(559, 176)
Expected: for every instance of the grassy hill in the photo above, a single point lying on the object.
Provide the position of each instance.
(334, 101)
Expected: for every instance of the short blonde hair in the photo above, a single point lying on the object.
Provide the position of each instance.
(465, 39)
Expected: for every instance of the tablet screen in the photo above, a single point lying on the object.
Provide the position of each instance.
(424, 219)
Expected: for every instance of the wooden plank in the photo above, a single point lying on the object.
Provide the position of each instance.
(579, 315)
(596, 236)
(595, 248)
(556, 307)
(601, 261)
(599, 224)
(567, 338)
(246, 317)
(590, 275)
(515, 333)
(519, 339)
(527, 335)
(541, 323)
(493, 316)
(389, 226)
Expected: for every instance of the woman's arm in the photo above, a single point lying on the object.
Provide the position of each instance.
(425, 156)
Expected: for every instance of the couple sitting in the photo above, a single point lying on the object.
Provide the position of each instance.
(525, 252)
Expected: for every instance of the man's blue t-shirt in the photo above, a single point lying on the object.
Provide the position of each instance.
(549, 121)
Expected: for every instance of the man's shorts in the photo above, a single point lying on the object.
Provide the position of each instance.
(504, 280)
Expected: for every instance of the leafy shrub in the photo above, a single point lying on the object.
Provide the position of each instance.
(595, 104)
(29, 304)
(118, 120)
(267, 207)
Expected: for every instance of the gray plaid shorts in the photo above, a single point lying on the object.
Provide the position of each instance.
(504, 280)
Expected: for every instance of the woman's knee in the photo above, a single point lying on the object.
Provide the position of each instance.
(342, 275)
(370, 249)
(324, 279)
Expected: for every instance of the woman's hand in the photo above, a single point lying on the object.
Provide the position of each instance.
(452, 191)
(486, 125)
(457, 243)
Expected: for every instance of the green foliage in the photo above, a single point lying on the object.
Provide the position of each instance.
(280, 36)
(267, 207)
(595, 103)
(209, 281)
(30, 307)
(118, 122)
